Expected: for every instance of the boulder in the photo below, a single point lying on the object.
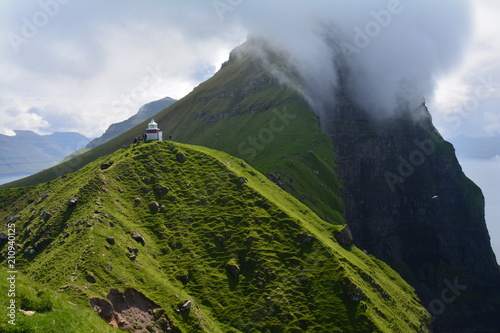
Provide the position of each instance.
(105, 166)
(233, 270)
(181, 158)
(102, 307)
(110, 240)
(183, 278)
(344, 237)
(3, 237)
(185, 306)
(72, 202)
(138, 238)
(305, 238)
(133, 250)
(45, 215)
(90, 278)
(154, 206)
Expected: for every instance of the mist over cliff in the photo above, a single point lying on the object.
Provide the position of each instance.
(393, 51)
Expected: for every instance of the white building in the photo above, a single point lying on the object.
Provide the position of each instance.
(153, 132)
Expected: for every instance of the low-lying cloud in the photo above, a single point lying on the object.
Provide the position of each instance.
(394, 50)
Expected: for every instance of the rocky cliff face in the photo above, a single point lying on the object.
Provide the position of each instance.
(408, 202)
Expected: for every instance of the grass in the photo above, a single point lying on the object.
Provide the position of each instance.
(213, 210)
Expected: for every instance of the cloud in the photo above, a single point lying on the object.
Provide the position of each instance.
(95, 63)
(466, 99)
(393, 50)
(91, 61)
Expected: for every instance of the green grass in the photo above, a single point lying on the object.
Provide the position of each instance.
(54, 311)
(214, 211)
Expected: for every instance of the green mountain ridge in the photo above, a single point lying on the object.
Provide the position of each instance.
(191, 224)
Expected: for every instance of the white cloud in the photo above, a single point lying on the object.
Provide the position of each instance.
(95, 63)
(91, 63)
(467, 101)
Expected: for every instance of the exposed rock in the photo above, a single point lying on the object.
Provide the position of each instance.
(181, 158)
(161, 189)
(45, 196)
(45, 215)
(391, 172)
(102, 307)
(105, 166)
(242, 180)
(131, 256)
(72, 202)
(137, 201)
(110, 240)
(185, 306)
(90, 278)
(133, 312)
(344, 237)
(154, 206)
(133, 250)
(3, 237)
(233, 270)
(183, 278)
(138, 238)
(305, 238)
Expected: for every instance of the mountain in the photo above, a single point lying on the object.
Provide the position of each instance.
(395, 180)
(145, 112)
(28, 153)
(163, 236)
(479, 148)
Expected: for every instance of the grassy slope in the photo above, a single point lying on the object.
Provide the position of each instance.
(239, 102)
(285, 285)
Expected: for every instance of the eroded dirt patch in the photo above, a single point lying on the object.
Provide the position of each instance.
(132, 311)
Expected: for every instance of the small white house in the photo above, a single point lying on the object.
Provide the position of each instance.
(153, 132)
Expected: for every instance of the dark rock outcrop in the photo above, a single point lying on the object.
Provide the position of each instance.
(181, 158)
(408, 202)
(345, 237)
(138, 238)
(233, 270)
(132, 311)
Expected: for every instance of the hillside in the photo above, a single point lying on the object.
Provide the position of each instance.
(167, 223)
(394, 181)
(145, 112)
(244, 111)
(28, 153)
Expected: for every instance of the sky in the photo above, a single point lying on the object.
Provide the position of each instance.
(81, 65)
(74, 65)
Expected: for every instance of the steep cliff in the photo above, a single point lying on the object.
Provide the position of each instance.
(408, 202)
